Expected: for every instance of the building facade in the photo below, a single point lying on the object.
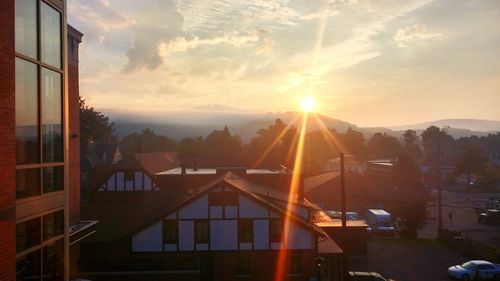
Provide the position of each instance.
(35, 175)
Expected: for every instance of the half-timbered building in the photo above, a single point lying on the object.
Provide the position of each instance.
(231, 228)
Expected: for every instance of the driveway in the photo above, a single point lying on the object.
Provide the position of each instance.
(408, 260)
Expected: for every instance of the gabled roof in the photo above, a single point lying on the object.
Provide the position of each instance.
(156, 162)
(117, 220)
(244, 186)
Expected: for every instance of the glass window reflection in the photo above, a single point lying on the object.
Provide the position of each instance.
(51, 116)
(26, 27)
(50, 26)
(27, 140)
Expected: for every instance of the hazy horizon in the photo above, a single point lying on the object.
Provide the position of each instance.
(372, 63)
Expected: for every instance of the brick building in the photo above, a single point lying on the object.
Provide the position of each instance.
(37, 113)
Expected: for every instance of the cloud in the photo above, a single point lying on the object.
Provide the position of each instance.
(414, 32)
(156, 24)
(181, 44)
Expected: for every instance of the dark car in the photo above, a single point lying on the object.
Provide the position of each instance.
(490, 216)
(366, 276)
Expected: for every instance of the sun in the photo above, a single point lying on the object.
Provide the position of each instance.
(307, 104)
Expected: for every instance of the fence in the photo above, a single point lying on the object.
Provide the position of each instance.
(468, 246)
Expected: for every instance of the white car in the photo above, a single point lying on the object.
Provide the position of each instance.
(485, 270)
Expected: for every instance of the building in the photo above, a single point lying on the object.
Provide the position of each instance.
(229, 226)
(38, 188)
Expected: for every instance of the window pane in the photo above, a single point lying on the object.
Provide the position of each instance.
(50, 35)
(28, 267)
(27, 143)
(51, 116)
(53, 179)
(53, 261)
(26, 27)
(27, 183)
(53, 225)
(27, 234)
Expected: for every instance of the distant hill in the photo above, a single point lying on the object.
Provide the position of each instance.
(466, 124)
(193, 124)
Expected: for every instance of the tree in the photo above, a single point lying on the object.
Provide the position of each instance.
(411, 145)
(472, 160)
(412, 194)
(354, 143)
(146, 141)
(223, 144)
(272, 144)
(192, 147)
(94, 125)
(384, 146)
(433, 137)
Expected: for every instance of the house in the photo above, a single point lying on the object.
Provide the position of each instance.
(230, 228)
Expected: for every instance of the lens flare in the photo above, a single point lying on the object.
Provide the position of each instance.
(307, 104)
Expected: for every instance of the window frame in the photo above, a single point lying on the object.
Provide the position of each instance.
(276, 224)
(199, 238)
(245, 231)
(62, 71)
(174, 231)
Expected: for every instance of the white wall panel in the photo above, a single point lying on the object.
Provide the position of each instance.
(251, 209)
(261, 234)
(111, 183)
(149, 239)
(129, 185)
(138, 181)
(147, 182)
(216, 212)
(197, 209)
(299, 238)
(186, 235)
(119, 181)
(231, 212)
(224, 235)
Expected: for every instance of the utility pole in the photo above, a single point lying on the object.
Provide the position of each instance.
(342, 193)
(345, 267)
(438, 175)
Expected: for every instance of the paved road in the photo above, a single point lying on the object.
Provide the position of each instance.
(408, 260)
(463, 217)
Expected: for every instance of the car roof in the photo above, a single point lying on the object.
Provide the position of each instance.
(480, 262)
(360, 273)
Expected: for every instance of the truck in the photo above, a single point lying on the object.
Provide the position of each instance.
(490, 216)
(380, 222)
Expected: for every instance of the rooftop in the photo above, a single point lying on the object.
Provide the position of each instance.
(213, 171)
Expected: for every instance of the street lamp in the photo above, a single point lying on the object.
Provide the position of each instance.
(438, 175)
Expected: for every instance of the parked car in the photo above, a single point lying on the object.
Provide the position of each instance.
(366, 276)
(490, 216)
(484, 270)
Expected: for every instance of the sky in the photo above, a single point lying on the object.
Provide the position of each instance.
(369, 62)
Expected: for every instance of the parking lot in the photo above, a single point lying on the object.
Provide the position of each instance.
(408, 260)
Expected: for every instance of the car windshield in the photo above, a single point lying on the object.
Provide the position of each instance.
(468, 265)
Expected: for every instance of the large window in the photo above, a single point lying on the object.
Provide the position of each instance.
(245, 230)
(39, 98)
(275, 230)
(170, 230)
(202, 231)
(53, 225)
(28, 234)
(28, 267)
(26, 27)
(27, 132)
(50, 27)
(36, 238)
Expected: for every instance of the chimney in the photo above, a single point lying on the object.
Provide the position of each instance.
(140, 148)
(195, 166)
(183, 169)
